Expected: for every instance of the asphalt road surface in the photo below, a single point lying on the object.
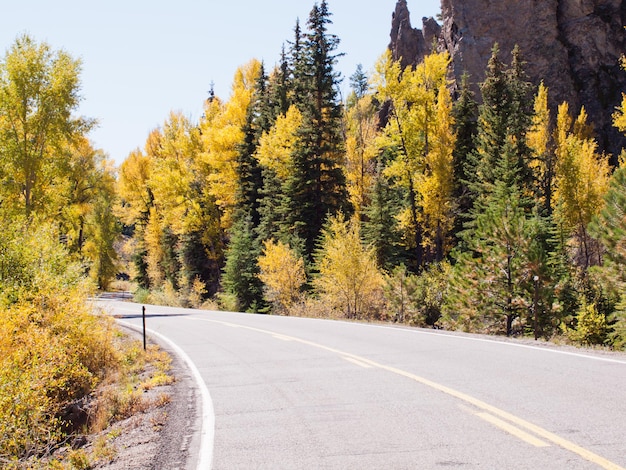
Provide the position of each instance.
(295, 393)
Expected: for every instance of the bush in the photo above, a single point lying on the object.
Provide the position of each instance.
(417, 299)
(53, 351)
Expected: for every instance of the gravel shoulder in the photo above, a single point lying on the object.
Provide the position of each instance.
(162, 437)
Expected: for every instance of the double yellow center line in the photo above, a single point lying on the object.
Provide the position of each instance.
(520, 428)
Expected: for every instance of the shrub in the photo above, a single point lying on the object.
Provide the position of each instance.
(53, 351)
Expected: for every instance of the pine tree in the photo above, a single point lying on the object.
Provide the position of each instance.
(493, 275)
(504, 120)
(610, 228)
(249, 172)
(317, 186)
(359, 82)
(380, 228)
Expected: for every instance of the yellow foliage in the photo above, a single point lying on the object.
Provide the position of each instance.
(361, 151)
(154, 248)
(436, 185)
(174, 171)
(582, 177)
(133, 189)
(420, 132)
(619, 117)
(277, 145)
(582, 181)
(349, 279)
(222, 133)
(52, 349)
(539, 134)
(283, 274)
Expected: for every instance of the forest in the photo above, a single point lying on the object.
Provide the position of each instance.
(411, 201)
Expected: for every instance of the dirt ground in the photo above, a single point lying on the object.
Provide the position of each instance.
(162, 437)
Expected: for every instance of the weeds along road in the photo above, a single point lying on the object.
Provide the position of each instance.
(296, 393)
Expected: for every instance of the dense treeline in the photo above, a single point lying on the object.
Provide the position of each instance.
(405, 202)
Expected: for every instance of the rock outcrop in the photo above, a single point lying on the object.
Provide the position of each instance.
(574, 46)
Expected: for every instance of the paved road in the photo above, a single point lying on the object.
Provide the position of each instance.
(293, 393)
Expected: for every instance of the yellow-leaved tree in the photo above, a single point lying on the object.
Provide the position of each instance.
(222, 133)
(39, 93)
(277, 145)
(619, 117)
(582, 179)
(540, 141)
(416, 120)
(361, 150)
(349, 279)
(283, 275)
(436, 186)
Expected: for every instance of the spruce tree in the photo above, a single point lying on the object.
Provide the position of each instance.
(504, 119)
(491, 282)
(317, 186)
(241, 271)
(278, 98)
(465, 113)
(249, 172)
(359, 82)
(380, 228)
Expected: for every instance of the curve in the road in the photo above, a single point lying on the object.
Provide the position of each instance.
(497, 417)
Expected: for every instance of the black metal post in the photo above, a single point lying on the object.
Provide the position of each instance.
(535, 305)
(143, 317)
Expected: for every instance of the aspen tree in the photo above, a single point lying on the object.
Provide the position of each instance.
(349, 279)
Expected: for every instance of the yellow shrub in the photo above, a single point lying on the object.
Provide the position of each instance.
(52, 352)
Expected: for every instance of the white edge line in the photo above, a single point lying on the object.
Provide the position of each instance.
(207, 433)
(450, 334)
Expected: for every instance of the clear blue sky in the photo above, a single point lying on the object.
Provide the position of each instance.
(142, 59)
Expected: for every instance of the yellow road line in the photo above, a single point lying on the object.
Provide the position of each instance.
(282, 337)
(517, 432)
(357, 362)
(494, 411)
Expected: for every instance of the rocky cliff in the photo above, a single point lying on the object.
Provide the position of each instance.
(574, 46)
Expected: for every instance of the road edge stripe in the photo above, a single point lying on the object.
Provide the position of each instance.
(207, 433)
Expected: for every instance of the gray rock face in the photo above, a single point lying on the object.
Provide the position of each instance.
(574, 46)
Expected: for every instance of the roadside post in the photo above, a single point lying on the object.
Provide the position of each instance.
(143, 317)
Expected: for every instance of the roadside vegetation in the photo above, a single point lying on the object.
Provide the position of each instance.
(64, 372)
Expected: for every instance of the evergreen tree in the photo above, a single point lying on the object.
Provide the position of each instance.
(465, 113)
(249, 172)
(359, 82)
(241, 271)
(610, 228)
(380, 228)
(492, 278)
(504, 119)
(316, 188)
